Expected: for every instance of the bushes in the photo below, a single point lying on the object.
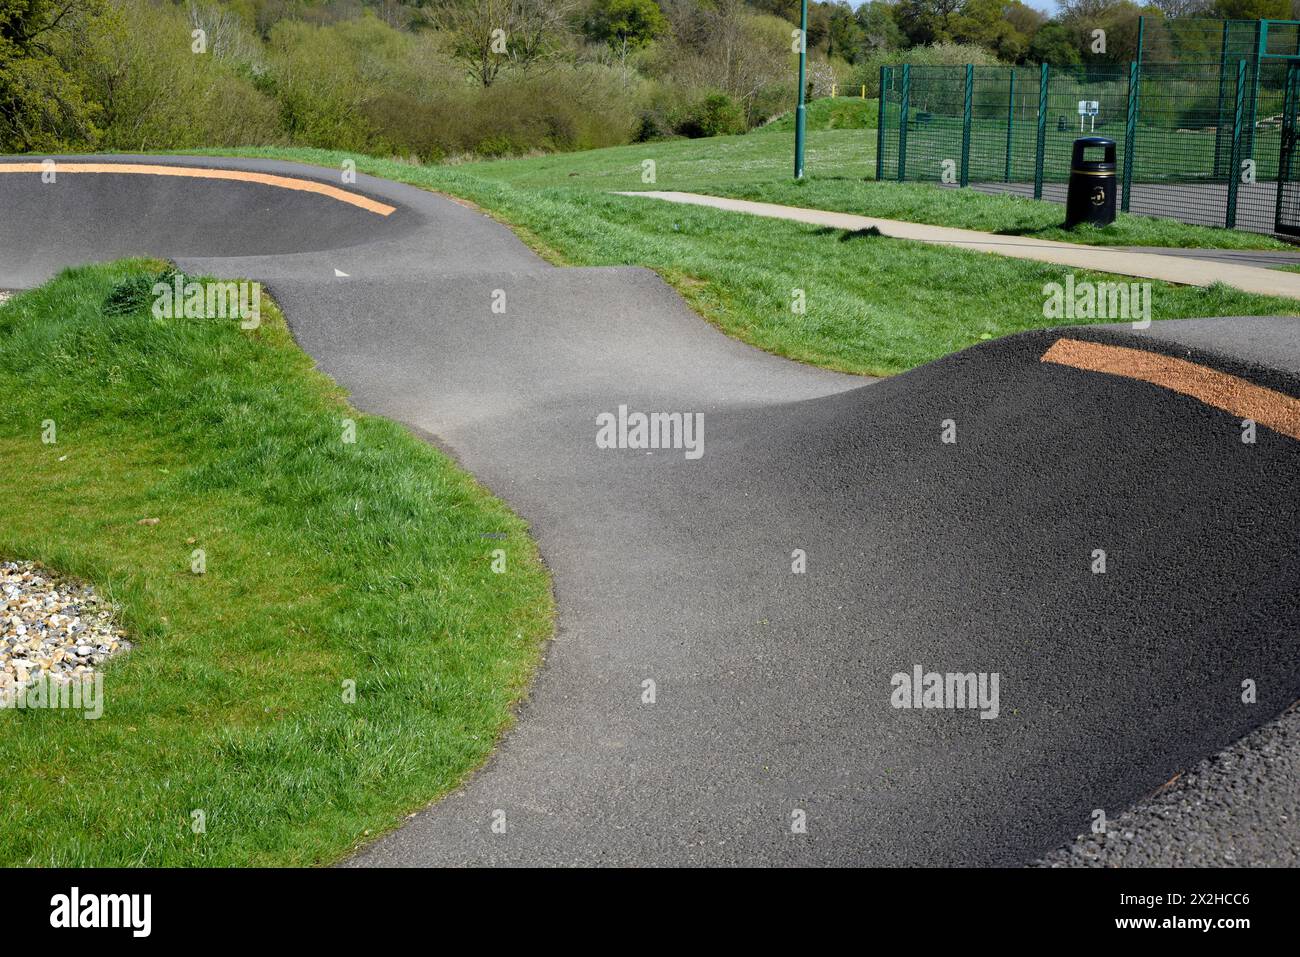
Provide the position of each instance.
(156, 93)
(128, 75)
(585, 108)
(938, 54)
(715, 115)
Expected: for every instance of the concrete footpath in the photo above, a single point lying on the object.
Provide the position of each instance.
(1186, 270)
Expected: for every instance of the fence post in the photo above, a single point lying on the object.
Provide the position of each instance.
(1043, 78)
(903, 110)
(965, 124)
(1011, 118)
(1261, 48)
(880, 124)
(1286, 149)
(1223, 95)
(1130, 133)
(1234, 171)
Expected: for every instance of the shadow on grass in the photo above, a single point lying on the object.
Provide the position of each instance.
(846, 235)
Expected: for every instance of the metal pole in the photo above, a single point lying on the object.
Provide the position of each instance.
(903, 112)
(1286, 148)
(880, 124)
(1043, 75)
(965, 125)
(1252, 111)
(1223, 95)
(799, 113)
(1234, 173)
(1011, 118)
(1130, 133)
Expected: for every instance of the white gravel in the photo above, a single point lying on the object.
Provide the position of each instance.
(51, 627)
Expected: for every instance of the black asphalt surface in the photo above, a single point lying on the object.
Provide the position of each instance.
(772, 689)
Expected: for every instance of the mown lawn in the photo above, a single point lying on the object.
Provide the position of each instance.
(874, 305)
(840, 175)
(328, 562)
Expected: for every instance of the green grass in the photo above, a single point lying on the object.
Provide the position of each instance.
(703, 165)
(1005, 215)
(840, 176)
(875, 305)
(827, 113)
(327, 562)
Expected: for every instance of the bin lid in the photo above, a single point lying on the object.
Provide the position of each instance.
(1093, 142)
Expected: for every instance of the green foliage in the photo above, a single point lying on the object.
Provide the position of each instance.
(833, 113)
(156, 92)
(1253, 9)
(624, 24)
(938, 54)
(716, 114)
(412, 78)
(134, 292)
(1055, 44)
(42, 103)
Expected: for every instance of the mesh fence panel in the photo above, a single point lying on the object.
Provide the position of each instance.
(1201, 145)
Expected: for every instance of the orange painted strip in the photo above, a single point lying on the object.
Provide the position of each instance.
(196, 172)
(1240, 398)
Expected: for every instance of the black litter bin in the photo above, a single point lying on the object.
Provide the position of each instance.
(1091, 198)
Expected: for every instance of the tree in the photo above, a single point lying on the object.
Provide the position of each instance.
(489, 34)
(1056, 44)
(879, 29)
(995, 25)
(1253, 9)
(924, 22)
(625, 25)
(1184, 8)
(844, 36)
(1118, 18)
(42, 105)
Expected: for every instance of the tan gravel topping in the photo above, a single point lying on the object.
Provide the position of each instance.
(1237, 397)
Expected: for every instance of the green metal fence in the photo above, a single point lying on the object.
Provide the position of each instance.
(1202, 142)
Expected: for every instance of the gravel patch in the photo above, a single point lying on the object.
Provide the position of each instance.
(1240, 808)
(4, 295)
(52, 628)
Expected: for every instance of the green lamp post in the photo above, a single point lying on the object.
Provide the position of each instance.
(803, 82)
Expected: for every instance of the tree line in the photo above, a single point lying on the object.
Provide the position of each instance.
(436, 80)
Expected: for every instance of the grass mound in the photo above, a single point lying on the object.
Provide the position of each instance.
(833, 113)
(346, 655)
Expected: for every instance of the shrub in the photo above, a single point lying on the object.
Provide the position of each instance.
(717, 114)
(938, 54)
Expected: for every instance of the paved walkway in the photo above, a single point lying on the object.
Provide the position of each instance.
(1264, 258)
(1184, 270)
